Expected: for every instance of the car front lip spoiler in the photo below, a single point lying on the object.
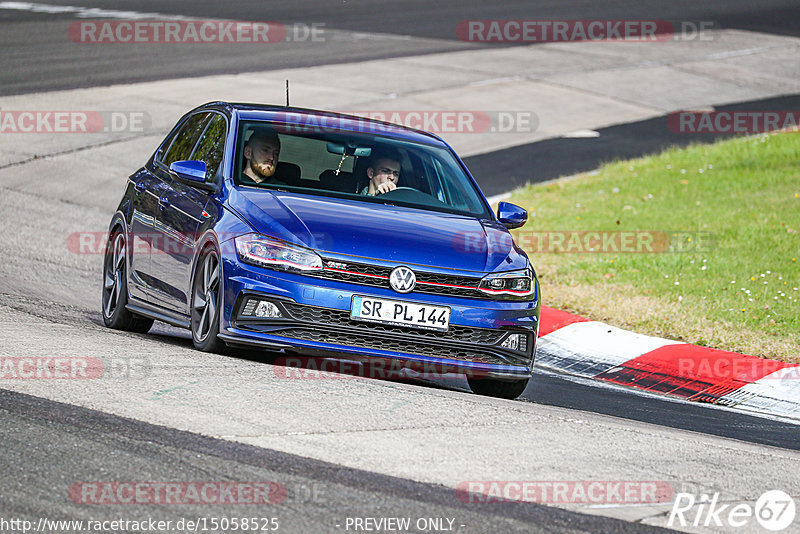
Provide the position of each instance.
(275, 342)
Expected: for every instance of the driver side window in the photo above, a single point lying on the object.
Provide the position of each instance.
(185, 139)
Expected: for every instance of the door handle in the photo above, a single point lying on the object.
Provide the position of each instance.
(139, 186)
(163, 203)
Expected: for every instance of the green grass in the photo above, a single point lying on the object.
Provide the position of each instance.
(743, 193)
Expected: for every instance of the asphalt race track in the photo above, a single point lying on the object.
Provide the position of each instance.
(321, 494)
(44, 63)
(564, 156)
(342, 447)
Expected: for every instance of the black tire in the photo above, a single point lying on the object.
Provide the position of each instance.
(205, 303)
(497, 388)
(115, 288)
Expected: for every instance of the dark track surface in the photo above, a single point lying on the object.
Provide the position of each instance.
(553, 389)
(503, 170)
(87, 446)
(39, 56)
(556, 391)
(47, 446)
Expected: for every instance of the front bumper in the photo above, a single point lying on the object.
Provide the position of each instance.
(316, 321)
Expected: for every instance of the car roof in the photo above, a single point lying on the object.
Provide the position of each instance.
(326, 119)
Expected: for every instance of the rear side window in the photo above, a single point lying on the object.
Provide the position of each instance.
(211, 145)
(185, 139)
(312, 156)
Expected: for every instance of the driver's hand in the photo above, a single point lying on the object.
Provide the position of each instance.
(385, 187)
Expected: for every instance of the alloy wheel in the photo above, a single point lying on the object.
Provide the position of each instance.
(205, 296)
(113, 276)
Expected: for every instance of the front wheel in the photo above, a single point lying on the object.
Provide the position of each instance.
(115, 288)
(498, 388)
(206, 307)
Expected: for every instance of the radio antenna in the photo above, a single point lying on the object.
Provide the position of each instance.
(287, 93)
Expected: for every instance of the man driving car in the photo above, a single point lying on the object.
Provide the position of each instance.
(383, 173)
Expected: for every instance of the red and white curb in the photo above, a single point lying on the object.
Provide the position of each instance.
(575, 345)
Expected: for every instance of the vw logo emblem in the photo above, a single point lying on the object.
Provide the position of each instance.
(402, 279)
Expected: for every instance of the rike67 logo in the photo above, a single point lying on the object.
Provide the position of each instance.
(774, 510)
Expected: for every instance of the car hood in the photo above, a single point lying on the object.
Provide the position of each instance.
(389, 233)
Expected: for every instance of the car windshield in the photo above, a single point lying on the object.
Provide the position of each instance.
(339, 163)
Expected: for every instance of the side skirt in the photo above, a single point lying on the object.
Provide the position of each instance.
(159, 314)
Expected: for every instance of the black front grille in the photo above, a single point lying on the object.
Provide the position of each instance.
(453, 291)
(357, 339)
(313, 323)
(378, 276)
(358, 278)
(326, 316)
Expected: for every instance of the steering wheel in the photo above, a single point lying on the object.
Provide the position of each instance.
(398, 189)
(412, 195)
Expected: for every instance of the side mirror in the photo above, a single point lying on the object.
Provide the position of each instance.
(193, 171)
(511, 215)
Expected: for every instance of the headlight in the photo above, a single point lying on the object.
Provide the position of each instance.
(275, 254)
(515, 285)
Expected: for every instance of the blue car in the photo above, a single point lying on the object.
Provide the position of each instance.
(321, 234)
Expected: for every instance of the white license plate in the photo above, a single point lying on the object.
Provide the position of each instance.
(399, 313)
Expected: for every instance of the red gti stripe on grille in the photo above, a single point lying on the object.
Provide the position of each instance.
(446, 285)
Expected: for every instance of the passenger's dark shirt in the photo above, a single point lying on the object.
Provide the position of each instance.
(272, 180)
